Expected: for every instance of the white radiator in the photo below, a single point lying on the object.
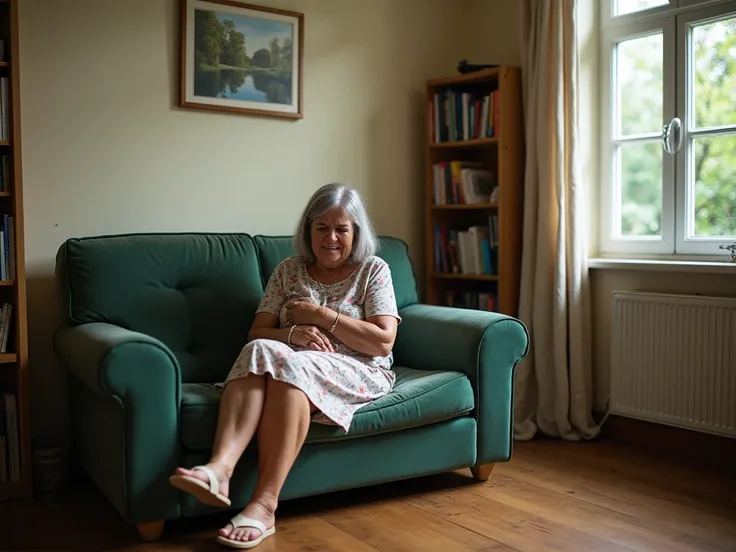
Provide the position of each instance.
(673, 360)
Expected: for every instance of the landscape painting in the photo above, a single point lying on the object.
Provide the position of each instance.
(241, 58)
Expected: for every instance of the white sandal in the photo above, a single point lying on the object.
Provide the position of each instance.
(241, 521)
(207, 494)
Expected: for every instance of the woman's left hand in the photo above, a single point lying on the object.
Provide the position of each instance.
(304, 312)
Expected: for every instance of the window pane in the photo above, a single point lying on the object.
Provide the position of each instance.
(714, 73)
(639, 85)
(641, 188)
(622, 7)
(714, 173)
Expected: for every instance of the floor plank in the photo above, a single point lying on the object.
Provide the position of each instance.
(566, 509)
(552, 496)
(649, 471)
(657, 502)
(314, 533)
(517, 529)
(399, 527)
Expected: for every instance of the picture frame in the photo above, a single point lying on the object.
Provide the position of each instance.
(241, 58)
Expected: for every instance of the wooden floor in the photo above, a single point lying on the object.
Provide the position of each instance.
(551, 496)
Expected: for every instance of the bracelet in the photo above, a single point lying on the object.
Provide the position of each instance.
(291, 331)
(334, 325)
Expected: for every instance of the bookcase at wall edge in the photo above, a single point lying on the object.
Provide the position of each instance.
(15, 439)
(474, 190)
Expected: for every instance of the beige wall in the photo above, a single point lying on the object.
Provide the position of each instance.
(494, 34)
(106, 150)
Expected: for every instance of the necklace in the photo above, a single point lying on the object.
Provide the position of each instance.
(324, 292)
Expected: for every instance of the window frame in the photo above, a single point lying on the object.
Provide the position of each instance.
(685, 244)
(673, 21)
(609, 19)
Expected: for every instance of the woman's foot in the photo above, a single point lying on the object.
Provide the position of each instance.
(223, 480)
(211, 483)
(261, 509)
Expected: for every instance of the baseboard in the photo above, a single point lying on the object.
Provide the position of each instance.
(702, 449)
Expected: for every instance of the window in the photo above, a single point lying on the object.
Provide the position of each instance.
(668, 151)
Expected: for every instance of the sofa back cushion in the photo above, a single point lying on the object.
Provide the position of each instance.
(273, 249)
(197, 293)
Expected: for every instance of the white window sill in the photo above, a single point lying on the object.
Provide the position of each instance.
(663, 265)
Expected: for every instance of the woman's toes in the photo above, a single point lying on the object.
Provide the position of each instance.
(251, 534)
(197, 474)
(241, 534)
(222, 479)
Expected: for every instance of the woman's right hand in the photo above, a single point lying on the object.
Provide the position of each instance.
(311, 337)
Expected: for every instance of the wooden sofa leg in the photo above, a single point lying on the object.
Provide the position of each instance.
(150, 531)
(482, 472)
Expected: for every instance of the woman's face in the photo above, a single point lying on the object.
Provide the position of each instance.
(332, 238)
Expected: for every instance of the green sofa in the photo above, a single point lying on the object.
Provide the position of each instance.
(152, 321)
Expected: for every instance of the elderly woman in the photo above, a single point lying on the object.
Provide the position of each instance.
(319, 349)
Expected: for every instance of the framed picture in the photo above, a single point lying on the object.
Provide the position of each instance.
(241, 58)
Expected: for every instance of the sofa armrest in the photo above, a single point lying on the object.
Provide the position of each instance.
(127, 413)
(486, 346)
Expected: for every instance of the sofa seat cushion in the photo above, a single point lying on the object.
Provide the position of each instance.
(418, 398)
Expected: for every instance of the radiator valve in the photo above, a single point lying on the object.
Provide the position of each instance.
(731, 249)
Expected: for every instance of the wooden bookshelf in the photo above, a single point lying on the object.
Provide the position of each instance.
(475, 145)
(14, 353)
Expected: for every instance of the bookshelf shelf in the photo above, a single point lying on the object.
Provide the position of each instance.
(457, 276)
(465, 206)
(485, 76)
(472, 143)
(15, 438)
(474, 190)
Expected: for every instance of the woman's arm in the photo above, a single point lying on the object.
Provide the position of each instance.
(374, 336)
(265, 326)
(266, 322)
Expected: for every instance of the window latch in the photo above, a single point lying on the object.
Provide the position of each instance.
(672, 132)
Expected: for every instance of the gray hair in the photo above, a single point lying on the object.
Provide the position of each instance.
(327, 198)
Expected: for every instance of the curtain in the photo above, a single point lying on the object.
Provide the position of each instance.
(553, 386)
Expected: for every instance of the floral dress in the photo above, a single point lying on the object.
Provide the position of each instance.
(337, 383)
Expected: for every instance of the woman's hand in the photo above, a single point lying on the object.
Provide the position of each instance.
(312, 338)
(304, 312)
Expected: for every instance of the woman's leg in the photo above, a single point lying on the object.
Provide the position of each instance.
(281, 433)
(238, 417)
